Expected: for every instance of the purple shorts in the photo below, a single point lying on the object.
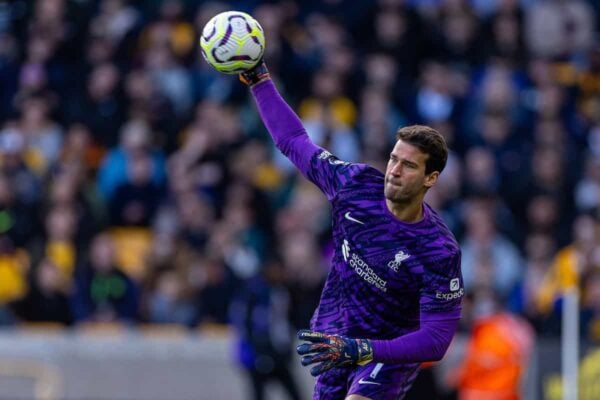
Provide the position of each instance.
(376, 381)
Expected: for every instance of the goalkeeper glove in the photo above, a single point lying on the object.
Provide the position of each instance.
(332, 351)
(255, 75)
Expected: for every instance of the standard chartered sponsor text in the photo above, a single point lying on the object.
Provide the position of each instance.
(364, 271)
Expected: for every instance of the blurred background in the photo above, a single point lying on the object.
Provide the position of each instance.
(154, 244)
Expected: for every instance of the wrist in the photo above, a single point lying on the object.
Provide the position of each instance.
(365, 351)
(256, 75)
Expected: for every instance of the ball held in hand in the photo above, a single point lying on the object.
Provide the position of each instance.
(232, 42)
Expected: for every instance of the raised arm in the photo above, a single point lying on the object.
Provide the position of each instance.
(316, 164)
(284, 125)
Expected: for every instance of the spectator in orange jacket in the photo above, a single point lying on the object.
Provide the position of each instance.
(497, 353)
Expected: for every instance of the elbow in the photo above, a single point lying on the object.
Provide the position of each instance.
(287, 141)
(285, 145)
(440, 344)
(438, 355)
(437, 358)
(440, 350)
(441, 334)
(281, 142)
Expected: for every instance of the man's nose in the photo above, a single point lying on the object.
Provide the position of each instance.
(396, 169)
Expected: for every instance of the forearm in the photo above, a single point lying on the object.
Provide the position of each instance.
(283, 125)
(429, 343)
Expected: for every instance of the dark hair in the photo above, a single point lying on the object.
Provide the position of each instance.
(429, 141)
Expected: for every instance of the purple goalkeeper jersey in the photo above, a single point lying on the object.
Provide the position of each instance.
(385, 272)
(386, 275)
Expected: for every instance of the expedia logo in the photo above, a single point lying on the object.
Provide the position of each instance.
(450, 296)
(454, 284)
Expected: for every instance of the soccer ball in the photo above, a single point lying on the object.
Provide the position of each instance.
(232, 42)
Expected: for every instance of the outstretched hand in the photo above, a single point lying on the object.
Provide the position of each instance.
(255, 75)
(332, 351)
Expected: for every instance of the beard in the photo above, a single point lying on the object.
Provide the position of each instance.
(396, 193)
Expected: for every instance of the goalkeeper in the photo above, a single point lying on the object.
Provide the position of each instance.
(392, 298)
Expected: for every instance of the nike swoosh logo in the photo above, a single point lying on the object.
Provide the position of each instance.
(348, 217)
(363, 382)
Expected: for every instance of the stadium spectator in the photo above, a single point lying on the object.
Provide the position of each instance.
(169, 301)
(43, 137)
(260, 314)
(20, 220)
(15, 265)
(101, 292)
(101, 107)
(135, 140)
(47, 298)
(135, 201)
(569, 26)
(26, 184)
(59, 245)
(587, 192)
(572, 264)
(497, 353)
(489, 259)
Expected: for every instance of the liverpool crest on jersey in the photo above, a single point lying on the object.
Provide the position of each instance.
(397, 261)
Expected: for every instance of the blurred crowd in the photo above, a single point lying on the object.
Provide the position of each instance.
(138, 185)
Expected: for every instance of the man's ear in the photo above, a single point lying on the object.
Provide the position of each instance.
(431, 179)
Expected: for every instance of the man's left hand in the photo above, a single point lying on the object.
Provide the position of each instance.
(332, 351)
